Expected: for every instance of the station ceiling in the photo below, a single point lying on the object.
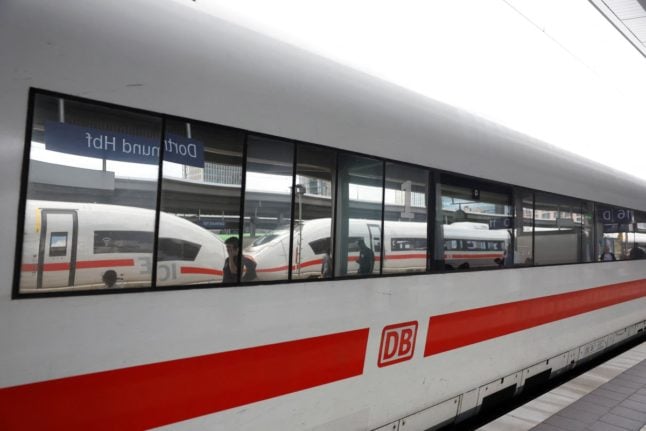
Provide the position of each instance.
(629, 17)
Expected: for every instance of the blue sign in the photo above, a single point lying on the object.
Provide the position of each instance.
(210, 223)
(615, 215)
(102, 144)
(501, 223)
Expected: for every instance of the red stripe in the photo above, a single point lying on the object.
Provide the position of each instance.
(81, 264)
(158, 394)
(104, 263)
(454, 330)
(198, 270)
(275, 269)
(405, 256)
(473, 256)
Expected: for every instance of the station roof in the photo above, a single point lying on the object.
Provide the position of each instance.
(629, 17)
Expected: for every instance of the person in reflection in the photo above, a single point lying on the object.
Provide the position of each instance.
(326, 263)
(110, 279)
(637, 253)
(607, 255)
(230, 269)
(366, 259)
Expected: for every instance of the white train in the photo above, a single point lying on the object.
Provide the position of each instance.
(397, 352)
(70, 246)
(466, 245)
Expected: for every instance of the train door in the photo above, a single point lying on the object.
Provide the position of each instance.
(374, 231)
(57, 248)
(375, 238)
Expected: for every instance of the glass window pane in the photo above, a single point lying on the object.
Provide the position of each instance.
(523, 229)
(638, 250)
(267, 209)
(92, 182)
(615, 232)
(313, 212)
(405, 219)
(200, 202)
(557, 229)
(477, 221)
(587, 236)
(358, 216)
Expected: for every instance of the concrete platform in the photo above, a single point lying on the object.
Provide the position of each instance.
(610, 397)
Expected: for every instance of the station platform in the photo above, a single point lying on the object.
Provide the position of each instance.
(610, 397)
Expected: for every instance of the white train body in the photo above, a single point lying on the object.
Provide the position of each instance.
(303, 355)
(271, 252)
(101, 238)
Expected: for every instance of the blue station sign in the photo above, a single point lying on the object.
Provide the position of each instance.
(109, 145)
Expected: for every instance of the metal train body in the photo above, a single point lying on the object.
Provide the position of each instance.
(283, 356)
(103, 229)
(404, 247)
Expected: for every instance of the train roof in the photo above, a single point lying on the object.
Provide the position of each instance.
(171, 58)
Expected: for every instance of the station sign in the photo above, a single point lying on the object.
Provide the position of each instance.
(109, 145)
(501, 223)
(615, 215)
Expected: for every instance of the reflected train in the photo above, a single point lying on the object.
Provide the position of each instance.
(466, 245)
(398, 352)
(71, 245)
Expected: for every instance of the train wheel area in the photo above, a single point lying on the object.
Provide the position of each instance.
(609, 394)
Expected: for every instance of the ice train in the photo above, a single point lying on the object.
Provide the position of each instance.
(393, 350)
(69, 245)
(404, 247)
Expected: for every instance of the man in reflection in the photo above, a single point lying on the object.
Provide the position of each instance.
(230, 269)
(366, 259)
(326, 263)
(607, 255)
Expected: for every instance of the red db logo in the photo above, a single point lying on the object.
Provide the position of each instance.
(397, 343)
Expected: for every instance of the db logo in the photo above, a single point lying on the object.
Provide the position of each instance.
(397, 343)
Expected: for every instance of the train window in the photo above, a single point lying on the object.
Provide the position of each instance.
(313, 203)
(200, 199)
(587, 233)
(358, 215)
(125, 241)
(475, 213)
(405, 213)
(58, 244)
(616, 233)
(523, 230)
(176, 249)
(403, 244)
(91, 167)
(558, 229)
(267, 208)
(638, 248)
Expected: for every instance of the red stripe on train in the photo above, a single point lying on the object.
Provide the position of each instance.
(81, 264)
(454, 330)
(158, 394)
(198, 270)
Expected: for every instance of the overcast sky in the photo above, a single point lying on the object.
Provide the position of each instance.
(553, 69)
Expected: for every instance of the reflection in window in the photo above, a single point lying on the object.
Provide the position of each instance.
(200, 200)
(405, 218)
(358, 216)
(477, 223)
(523, 231)
(558, 229)
(313, 203)
(616, 233)
(91, 168)
(267, 207)
(122, 241)
(58, 244)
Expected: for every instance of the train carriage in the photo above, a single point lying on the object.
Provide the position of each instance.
(157, 117)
